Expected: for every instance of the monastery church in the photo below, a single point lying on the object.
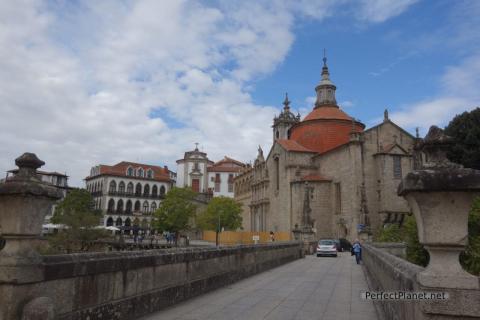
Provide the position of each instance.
(326, 173)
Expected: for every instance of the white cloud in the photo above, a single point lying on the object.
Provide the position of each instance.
(80, 79)
(376, 11)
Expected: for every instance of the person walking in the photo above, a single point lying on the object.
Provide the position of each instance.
(357, 250)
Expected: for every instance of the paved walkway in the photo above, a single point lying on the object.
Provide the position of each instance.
(311, 288)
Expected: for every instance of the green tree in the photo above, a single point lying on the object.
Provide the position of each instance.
(390, 233)
(470, 259)
(416, 253)
(221, 212)
(176, 211)
(77, 213)
(465, 129)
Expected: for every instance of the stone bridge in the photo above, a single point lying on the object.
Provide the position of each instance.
(129, 285)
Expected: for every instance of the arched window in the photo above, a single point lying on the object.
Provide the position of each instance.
(109, 222)
(128, 222)
(137, 206)
(153, 207)
(128, 207)
(140, 172)
(146, 190)
(130, 172)
(121, 187)
(120, 206)
(154, 191)
(112, 187)
(136, 222)
(162, 190)
(118, 223)
(130, 188)
(145, 207)
(150, 173)
(138, 189)
(111, 205)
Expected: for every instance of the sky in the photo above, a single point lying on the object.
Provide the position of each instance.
(98, 82)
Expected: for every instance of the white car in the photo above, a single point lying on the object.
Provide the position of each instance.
(326, 247)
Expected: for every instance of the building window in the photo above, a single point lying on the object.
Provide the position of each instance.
(130, 172)
(338, 198)
(154, 191)
(153, 207)
(128, 208)
(397, 167)
(119, 221)
(121, 187)
(150, 173)
(140, 172)
(109, 221)
(162, 190)
(277, 173)
(120, 206)
(111, 205)
(217, 182)
(230, 182)
(112, 187)
(130, 188)
(145, 207)
(137, 206)
(138, 189)
(146, 190)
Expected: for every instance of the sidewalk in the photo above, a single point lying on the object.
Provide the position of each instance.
(311, 288)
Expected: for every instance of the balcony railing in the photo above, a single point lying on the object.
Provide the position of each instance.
(130, 213)
(136, 195)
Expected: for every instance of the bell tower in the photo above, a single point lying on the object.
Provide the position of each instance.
(283, 123)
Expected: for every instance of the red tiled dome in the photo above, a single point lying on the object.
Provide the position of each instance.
(325, 128)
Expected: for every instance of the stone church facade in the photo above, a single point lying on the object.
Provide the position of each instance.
(326, 173)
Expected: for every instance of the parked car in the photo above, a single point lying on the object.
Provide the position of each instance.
(326, 247)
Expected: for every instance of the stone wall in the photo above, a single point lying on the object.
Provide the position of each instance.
(127, 285)
(387, 272)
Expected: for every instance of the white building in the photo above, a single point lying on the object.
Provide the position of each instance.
(196, 171)
(128, 193)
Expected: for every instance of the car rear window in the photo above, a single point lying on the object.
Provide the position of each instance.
(326, 242)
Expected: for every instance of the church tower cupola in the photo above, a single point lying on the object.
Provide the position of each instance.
(325, 89)
(283, 123)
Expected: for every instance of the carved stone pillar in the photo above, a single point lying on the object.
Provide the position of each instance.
(24, 202)
(440, 195)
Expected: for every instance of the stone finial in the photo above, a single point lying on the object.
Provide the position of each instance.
(417, 135)
(27, 164)
(24, 202)
(435, 145)
(385, 115)
(440, 195)
(286, 103)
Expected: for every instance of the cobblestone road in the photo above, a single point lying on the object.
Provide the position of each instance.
(311, 288)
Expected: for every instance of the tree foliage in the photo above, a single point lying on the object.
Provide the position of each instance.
(465, 129)
(176, 211)
(77, 213)
(221, 212)
(470, 259)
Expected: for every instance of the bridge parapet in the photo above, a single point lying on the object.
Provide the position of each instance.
(114, 285)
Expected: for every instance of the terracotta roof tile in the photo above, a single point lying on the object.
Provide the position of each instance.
(291, 145)
(120, 169)
(226, 165)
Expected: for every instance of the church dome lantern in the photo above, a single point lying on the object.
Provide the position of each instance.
(326, 126)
